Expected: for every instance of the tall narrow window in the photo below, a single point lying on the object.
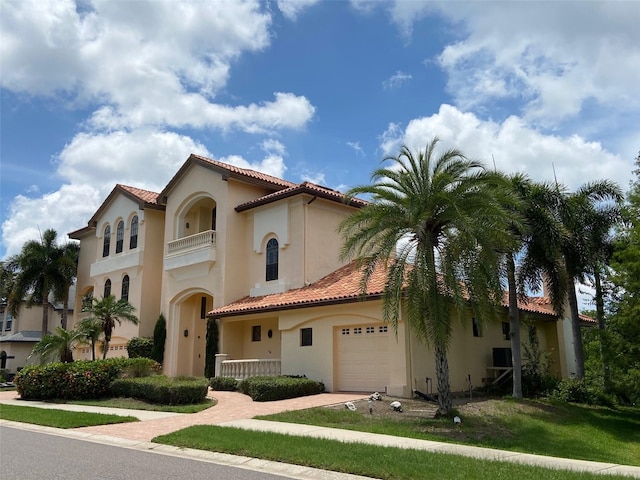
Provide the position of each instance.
(272, 259)
(203, 307)
(119, 236)
(125, 288)
(477, 329)
(213, 218)
(133, 235)
(107, 241)
(107, 288)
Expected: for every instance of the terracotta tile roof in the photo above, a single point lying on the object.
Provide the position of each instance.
(144, 199)
(145, 196)
(245, 172)
(227, 170)
(343, 286)
(305, 187)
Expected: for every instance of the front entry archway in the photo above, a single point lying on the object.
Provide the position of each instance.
(191, 331)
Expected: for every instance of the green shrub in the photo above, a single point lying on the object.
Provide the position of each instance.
(159, 339)
(139, 347)
(266, 389)
(223, 384)
(161, 389)
(80, 379)
(580, 391)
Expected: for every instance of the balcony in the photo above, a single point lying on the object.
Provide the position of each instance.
(241, 369)
(194, 250)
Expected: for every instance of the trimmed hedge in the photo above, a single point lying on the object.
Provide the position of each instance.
(140, 347)
(223, 384)
(267, 389)
(161, 389)
(75, 380)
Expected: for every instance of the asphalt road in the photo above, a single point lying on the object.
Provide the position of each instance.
(27, 455)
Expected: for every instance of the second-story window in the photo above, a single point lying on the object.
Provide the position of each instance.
(106, 244)
(125, 288)
(272, 259)
(107, 288)
(133, 238)
(119, 236)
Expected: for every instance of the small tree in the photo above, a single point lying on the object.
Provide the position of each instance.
(57, 345)
(107, 311)
(91, 331)
(211, 348)
(159, 339)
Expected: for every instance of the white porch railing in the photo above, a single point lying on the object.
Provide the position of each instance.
(241, 369)
(192, 242)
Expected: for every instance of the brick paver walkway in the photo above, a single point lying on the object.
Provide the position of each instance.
(231, 406)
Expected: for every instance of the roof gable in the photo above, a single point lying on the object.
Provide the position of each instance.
(143, 198)
(227, 171)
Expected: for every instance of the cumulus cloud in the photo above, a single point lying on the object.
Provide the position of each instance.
(52, 48)
(553, 60)
(292, 8)
(515, 146)
(396, 80)
(314, 177)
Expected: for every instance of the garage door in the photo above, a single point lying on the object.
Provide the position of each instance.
(363, 358)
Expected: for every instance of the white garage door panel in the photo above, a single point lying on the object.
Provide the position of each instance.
(363, 358)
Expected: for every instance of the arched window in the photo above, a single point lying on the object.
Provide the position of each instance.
(107, 241)
(119, 236)
(125, 288)
(107, 288)
(133, 238)
(272, 259)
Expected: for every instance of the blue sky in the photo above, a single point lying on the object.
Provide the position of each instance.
(95, 93)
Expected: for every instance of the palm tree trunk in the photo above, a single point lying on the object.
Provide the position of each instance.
(442, 375)
(514, 328)
(45, 307)
(65, 308)
(601, 325)
(577, 334)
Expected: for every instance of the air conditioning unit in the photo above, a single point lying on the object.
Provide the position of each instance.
(502, 357)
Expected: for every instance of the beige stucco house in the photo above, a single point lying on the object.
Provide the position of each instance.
(261, 256)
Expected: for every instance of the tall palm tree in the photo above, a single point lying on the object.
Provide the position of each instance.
(432, 223)
(107, 311)
(39, 269)
(68, 271)
(59, 344)
(7, 282)
(572, 246)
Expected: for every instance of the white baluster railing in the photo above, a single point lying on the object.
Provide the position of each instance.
(192, 242)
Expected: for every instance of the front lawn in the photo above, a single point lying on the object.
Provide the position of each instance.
(135, 404)
(531, 426)
(58, 418)
(360, 459)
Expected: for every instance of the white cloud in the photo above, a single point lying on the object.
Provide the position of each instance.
(271, 164)
(356, 146)
(273, 146)
(396, 80)
(292, 8)
(515, 146)
(318, 178)
(183, 54)
(553, 59)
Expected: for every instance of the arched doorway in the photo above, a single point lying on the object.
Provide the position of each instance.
(190, 333)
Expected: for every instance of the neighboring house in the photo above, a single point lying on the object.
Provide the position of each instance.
(261, 255)
(18, 335)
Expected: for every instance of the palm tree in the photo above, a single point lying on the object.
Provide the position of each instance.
(59, 344)
(39, 269)
(68, 271)
(533, 228)
(569, 250)
(7, 281)
(432, 223)
(107, 311)
(91, 331)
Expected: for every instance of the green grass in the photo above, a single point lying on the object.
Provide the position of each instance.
(359, 459)
(136, 404)
(538, 427)
(58, 418)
